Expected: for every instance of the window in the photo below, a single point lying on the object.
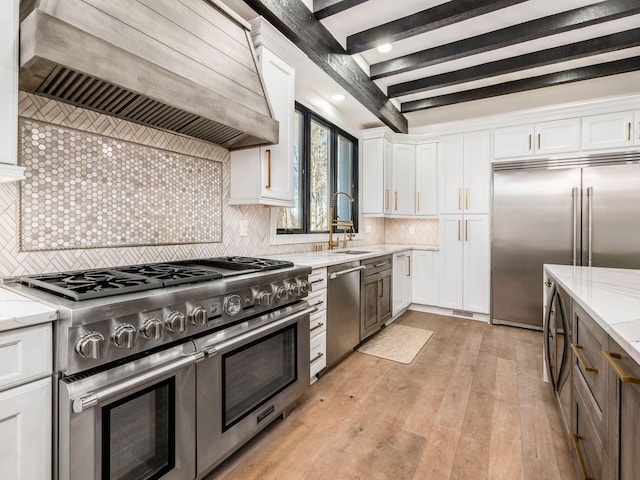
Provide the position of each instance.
(325, 161)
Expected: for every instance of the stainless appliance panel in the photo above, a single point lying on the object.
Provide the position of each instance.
(343, 310)
(534, 213)
(611, 205)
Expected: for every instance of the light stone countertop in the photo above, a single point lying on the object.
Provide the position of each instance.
(610, 295)
(327, 258)
(17, 311)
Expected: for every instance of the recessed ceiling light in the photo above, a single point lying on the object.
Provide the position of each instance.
(337, 97)
(384, 48)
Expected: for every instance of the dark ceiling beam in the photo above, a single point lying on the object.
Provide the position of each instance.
(326, 8)
(543, 27)
(563, 53)
(549, 80)
(296, 22)
(439, 16)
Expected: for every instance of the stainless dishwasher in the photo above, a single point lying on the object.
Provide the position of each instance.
(343, 310)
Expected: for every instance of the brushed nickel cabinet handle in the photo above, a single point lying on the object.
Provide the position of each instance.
(629, 131)
(319, 325)
(381, 288)
(459, 194)
(574, 439)
(409, 264)
(466, 230)
(320, 280)
(318, 357)
(458, 230)
(466, 198)
(319, 302)
(529, 141)
(386, 199)
(396, 199)
(538, 141)
(622, 375)
(380, 264)
(577, 349)
(268, 185)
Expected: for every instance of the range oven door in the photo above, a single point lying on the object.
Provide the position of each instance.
(133, 422)
(252, 373)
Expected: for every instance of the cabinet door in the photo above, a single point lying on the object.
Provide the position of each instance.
(369, 306)
(561, 136)
(277, 160)
(385, 308)
(400, 264)
(426, 179)
(476, 263)
(424, 287)
(374, 194)
(636, 130)
(404, 186)
(450, 173)
(388, 176)
(611, 130)
(450, 254)
(624, 412)
(512, 142)
(25, 431)
(477, 172)
(9, 82)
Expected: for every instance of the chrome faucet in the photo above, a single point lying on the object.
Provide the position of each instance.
(337, 222)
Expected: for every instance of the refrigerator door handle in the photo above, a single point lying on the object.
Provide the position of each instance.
(574, 194)
(590, 221)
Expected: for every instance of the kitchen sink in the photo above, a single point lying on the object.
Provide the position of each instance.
(354, 252)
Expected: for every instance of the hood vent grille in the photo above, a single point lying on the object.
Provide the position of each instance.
(89, 92)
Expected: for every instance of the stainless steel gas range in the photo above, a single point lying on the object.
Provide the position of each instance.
(166, 369)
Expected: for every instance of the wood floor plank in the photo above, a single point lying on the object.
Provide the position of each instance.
(472, 406)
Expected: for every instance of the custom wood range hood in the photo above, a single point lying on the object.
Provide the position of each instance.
(185, 66)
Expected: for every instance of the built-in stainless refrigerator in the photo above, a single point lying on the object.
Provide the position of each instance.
(583, 211)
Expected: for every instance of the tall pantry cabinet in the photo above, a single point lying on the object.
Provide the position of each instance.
(464, 182)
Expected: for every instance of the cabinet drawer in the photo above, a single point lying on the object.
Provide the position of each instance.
(317, 323)
(25, 354)
(318, 279)
(318, 353)
(318, 299)
(589, 340)
(587, 444)
(375, 265)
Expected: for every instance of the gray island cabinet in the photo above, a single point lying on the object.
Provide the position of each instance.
(605, 370)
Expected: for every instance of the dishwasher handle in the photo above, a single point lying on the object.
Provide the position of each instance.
(335, 275)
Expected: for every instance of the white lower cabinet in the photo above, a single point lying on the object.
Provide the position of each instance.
(464, 270)
(424, 278)
(401, 285)
(318, 322)
(25, 431)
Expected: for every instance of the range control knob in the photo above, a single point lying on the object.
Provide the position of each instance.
(199, 316)
(305, 286)
(232, 305)
(124, 336)
(294, 289)
(90, 345)
(282, 293)
(264, 298)
(176, 322)
(151, 328)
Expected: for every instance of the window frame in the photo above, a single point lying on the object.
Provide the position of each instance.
(308, 116)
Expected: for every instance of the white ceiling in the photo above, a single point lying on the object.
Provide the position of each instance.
(376, 12)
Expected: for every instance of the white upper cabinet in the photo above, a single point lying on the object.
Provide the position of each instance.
(265, 175)
(426, 179)
(9, 41)
(374, 194)
(610, 130)
(404, 179)
(464, 173)
(546, 138)
(388, 176)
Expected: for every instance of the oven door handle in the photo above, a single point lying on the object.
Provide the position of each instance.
(232, 342)
(104, 394)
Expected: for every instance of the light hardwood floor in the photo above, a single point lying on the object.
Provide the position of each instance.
(471, 405)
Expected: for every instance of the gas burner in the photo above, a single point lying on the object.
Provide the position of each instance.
(246, 263)
(84, 285)
(172, 274)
